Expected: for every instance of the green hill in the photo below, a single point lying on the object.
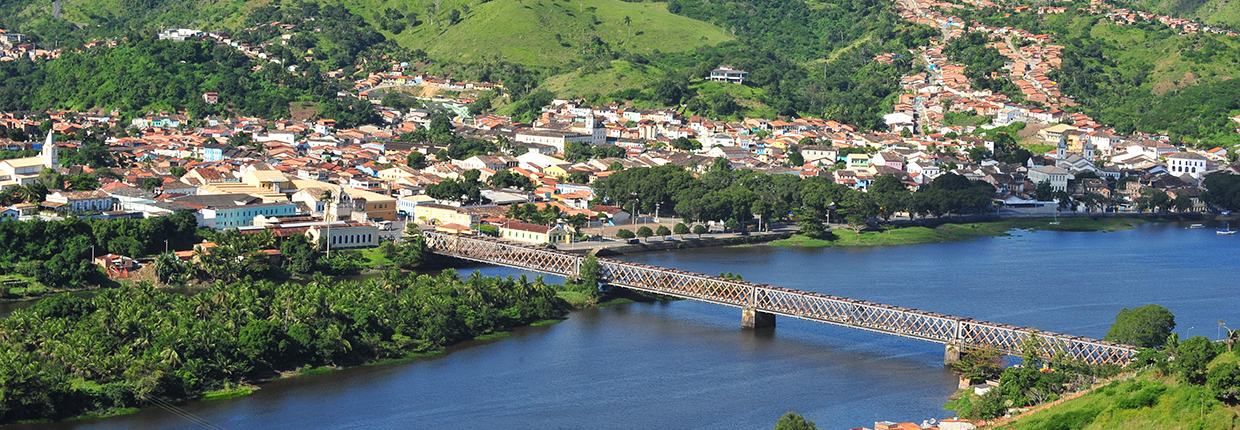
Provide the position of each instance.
(1214, 12)
(530, 32)
(1147, 401)
(548, 32)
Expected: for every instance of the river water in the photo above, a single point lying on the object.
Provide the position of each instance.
(688, 365)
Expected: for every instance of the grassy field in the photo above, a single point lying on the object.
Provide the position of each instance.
(957, 232)
(621, 75)
(526, 31)
(1147, 401)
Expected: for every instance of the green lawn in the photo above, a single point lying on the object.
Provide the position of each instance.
(376, 258)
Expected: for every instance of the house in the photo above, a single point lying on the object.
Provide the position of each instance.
(889, 159)
(9, 214)
(211, 97)
(727, 73)
(815, 154)
(1054, 133)
(859, 163)
(496, 163)
(113, 261)
(535, 234)
(82, 201)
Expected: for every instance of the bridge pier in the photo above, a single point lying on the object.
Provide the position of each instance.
(752, 319)
(951, 354)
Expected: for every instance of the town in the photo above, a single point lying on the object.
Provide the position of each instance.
(979, 129)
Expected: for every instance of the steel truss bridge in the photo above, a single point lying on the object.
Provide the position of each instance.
(761, 303)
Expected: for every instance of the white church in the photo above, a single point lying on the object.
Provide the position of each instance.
(22, 171)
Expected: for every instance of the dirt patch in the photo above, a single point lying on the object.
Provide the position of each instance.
(1031, 130)
(302, 111)
(1189, 79)
(1162, 87)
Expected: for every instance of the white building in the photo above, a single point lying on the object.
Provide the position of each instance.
(344, 234)
(1058, 178)
(1180, 163)
(82, 201)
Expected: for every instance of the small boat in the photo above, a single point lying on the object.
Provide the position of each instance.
(1226, 230)
(1197, 226)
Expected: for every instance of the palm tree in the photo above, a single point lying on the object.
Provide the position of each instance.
(327, 198)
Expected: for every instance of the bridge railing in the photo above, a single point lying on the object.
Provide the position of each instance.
(894, 320)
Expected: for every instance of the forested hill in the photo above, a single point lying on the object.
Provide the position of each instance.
(1213, 12)
(153, 75)
(805, 57)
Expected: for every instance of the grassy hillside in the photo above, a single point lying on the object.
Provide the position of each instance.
(548, 32)
(1144, 77)
(1147, 401)
(1215, 12)
(531, 32)
(590, 82)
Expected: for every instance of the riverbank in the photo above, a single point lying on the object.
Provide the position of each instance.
(961, 232)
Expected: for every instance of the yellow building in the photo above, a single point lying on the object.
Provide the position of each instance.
(359, 204)
(555, 171)
(270, 180)
(436, 214)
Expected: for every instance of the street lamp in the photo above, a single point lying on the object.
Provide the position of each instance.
(165, 246)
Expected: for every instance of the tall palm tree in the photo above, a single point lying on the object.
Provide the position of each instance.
(328, 198)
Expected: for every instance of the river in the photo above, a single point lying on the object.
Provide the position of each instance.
(688, 365)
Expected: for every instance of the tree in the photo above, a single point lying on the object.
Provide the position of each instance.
(1193, 357)
(794, 421)
(663, 231)
(1224, 381)
(625, 234)
(1043, 192)
(1146, 327)
(177, 171)
(978, 364)
(590, 275)
(699, 230)
(681, 229)
(644, 232)
(416, 160)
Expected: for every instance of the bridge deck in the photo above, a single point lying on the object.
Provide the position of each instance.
(860, 314)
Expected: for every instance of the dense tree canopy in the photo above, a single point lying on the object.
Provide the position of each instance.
(145, 75)
(1147, 326)
(68, 355)
(57, 253)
